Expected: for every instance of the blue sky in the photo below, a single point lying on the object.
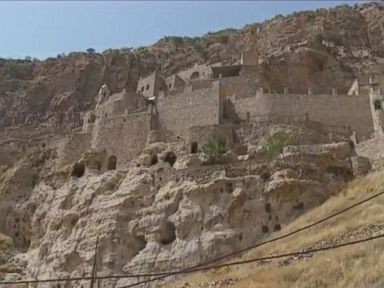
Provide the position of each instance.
(44, 29)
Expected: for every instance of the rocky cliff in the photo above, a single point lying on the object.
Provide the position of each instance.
(319, 49)
(157, 217)
(170, 208)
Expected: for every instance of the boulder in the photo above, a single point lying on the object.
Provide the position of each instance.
(188, 160)
(360, 165)
(144, 160)
(340, 150)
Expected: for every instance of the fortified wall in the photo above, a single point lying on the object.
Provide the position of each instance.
(190, 105)
(330, 110)
(123, 137)
(179, 112)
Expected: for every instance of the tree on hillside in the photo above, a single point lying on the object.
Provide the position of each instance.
(215, 149)
(91, 50)
(276, 143)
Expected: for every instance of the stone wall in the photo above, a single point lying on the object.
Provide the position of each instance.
(201, 134)
(178, 113)
(174, 83)
(149, 86)
(237, 87)
(330, 110)
(122, 136)
(200, 84)
(121, 103)
(203, 71)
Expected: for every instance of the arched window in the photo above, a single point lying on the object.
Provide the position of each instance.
(377, 105)
(194, 75)
(112, 160)
(147, 87)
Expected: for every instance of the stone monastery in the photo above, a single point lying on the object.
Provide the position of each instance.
(188, 106)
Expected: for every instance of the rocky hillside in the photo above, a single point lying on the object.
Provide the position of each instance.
(156, 216)
(310, 48)
(359, 265)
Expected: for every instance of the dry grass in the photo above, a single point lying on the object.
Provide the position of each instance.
(5, 242)
(10, 268)
(360, 265)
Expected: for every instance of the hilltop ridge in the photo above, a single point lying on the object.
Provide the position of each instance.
(343, 43)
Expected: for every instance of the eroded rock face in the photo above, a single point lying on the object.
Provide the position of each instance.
(166, 213)
(161, 218)
(360, 165)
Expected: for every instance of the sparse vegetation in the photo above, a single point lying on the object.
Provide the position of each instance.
(37, 158)
(354, 266)
(223, 39)
(10, 268)
(176, 40)
(227, 32)
(20, 71)
(276, 143)
(252, 27)
(330, 36)
(5, 242)
(91, 50)
(215, 149)
(307, 13)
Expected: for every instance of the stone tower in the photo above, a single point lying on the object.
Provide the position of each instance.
(376, 103)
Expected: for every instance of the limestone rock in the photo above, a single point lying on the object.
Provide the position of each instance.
(161, 217)
(188, 160)
(144, 160)
(360, 165)
(243, 157)
(340, 150)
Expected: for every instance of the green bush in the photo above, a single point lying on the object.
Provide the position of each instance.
(91, 50)
(227, 31)
(276, 143)
(215, 149)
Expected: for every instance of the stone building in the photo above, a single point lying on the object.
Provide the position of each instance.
(149, 86)
(188, 106)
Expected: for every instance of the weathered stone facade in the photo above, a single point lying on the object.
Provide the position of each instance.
(185, 108)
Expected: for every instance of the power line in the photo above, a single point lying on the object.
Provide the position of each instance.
(94, 264)
(276, 238)
(193, 268)
(260, 259)
(252, 260)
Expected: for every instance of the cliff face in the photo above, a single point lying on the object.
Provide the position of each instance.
(318, 49)
(156, 215)
(158, 218)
